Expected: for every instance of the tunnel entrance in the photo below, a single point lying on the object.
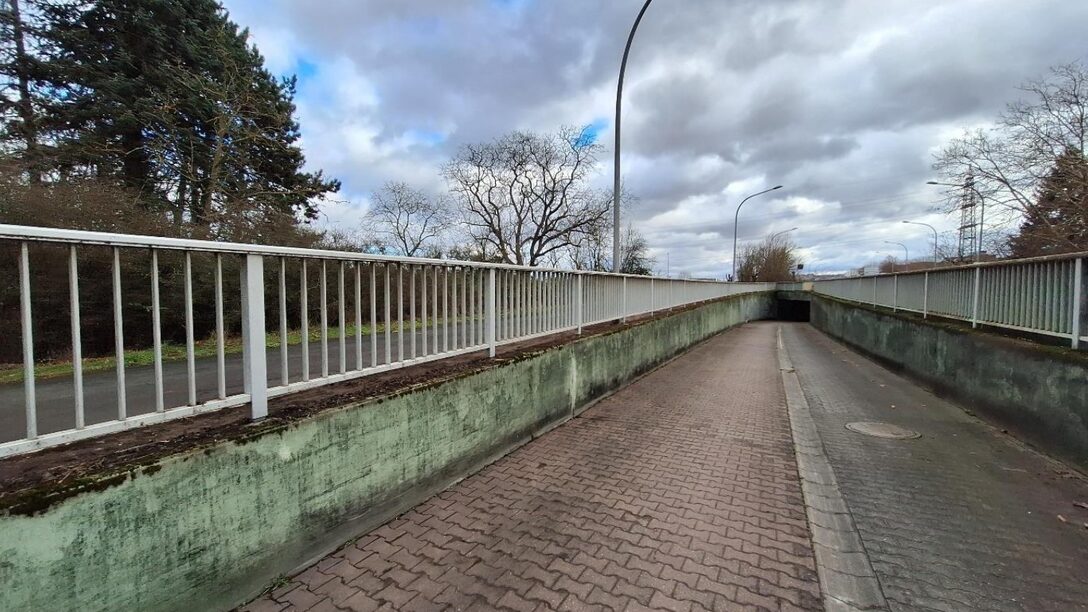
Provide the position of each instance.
(793, 310)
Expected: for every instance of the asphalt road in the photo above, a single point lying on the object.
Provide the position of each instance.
(962, 518)
(55, 396)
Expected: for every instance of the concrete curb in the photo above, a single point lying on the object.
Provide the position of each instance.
(847, 580)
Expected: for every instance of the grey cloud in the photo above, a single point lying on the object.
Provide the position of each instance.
(841, 100)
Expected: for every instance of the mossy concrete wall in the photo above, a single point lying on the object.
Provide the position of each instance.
(208, 529)
(1039, 392)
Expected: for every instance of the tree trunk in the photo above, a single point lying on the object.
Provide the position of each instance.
(26, 108)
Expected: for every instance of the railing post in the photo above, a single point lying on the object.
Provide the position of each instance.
(1078, 288)
(974, 299)
(77, 344)
(623, 302)
(490, 314)
(925, 297)
(26, 320)
(119, 335)
(578, 304)
(254, 368)
(895, 293)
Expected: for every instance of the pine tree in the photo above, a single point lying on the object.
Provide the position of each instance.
(1058, 223)
(168, 99)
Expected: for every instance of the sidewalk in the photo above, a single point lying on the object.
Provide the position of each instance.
(680, 492)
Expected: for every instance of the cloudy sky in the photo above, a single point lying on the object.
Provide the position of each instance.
(844, 102)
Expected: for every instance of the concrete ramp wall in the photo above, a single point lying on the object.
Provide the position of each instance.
(1039, 392)
(209, 528)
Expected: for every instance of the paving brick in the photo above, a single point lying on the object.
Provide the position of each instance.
(656, 497)
(546, 595)
(369, 583)
(311, 577)
(457, 600)
(361, 602)
(396, 596)
(301, 598)
(263, 605)
(664, 602)
(516, 602)
(748, 598)
(345, 570)
(325, 605)
(638, 593)
(336, 590)
(579, 589)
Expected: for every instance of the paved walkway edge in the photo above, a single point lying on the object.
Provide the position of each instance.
(847, 580)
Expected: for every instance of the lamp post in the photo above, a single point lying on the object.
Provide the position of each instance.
(616, 165)
(906, 253)
(934, 237)
(777, 234)
(970, 184)
(736, 218)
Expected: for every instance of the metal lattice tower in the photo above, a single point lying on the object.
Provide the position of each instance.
(968, 238)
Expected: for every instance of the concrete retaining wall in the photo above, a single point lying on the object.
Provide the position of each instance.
(1039, 392)
(208, 529)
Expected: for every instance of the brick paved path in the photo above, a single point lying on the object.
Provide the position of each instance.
(963, 518)
(679, 492)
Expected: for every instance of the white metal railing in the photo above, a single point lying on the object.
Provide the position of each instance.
(1043, 295)
(415, 310)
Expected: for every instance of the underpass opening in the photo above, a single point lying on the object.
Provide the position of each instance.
(793, 310)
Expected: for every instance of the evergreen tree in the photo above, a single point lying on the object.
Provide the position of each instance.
(168, 99)
(1058, 223)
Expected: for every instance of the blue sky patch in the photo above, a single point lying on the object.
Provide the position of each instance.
(593, 131)
(515, 6)
(305, 69)
(425, 137)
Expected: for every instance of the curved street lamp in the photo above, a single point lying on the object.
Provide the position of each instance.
(906, 253)
(777, 234)
(736, 217)
(934, 237)
(616, 164)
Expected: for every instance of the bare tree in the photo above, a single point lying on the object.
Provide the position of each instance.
(527, 195)
(891, 264)
(594, 251)
(1010, 162)
(774, 259)
(407, 218)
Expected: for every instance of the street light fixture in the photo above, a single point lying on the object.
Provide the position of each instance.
(982, 212)
(616, 164)
(777, 234)
(934, 237)
(906, 253)
(736, 217)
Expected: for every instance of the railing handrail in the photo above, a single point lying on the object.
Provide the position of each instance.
(467, 305)
(1040, 295)
(86, 237)
(968, 266)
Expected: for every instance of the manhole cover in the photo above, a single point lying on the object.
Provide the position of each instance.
(883, 430)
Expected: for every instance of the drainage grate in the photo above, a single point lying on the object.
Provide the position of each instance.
(883, 430)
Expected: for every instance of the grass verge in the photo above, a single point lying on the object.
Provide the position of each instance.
(13, 372)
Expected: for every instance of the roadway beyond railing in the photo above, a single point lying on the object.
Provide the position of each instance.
(1042, 295)
(451, 308)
